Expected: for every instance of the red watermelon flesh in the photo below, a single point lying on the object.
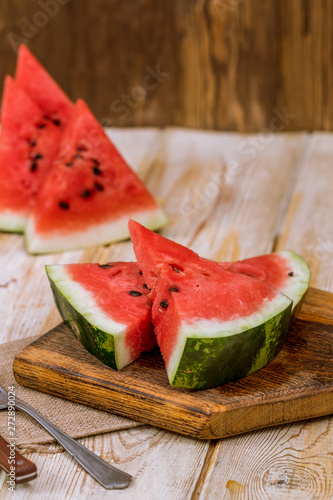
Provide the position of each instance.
(284, 270)
(204, 294)
(153, 252)
(212, 325)
(28, 146)
(273, 272)
(40, 86)
(108, 308)
(90, 194)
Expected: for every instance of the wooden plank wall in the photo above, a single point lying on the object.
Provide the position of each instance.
(240, 65)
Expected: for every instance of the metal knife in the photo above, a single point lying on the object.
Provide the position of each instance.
(25, 470)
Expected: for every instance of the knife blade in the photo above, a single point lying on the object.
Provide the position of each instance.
(25, 470)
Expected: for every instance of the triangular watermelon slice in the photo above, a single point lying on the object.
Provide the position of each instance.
(40, 86)
(107, 307)
(28, 146)
(212, 326)
(153, 252)
(284, 270)
(90, 194)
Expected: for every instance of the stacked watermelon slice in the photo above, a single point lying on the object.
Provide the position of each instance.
(213, 322)
(62, 181)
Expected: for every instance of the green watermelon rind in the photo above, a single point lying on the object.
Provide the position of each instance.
(239, 349)
(12, 222)
(100, 234)
(100, 335)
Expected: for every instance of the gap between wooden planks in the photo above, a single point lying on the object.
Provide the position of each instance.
(227, 199)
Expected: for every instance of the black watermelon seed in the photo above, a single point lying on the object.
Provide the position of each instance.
(86, 193)
(97, 171)
(38, 156)
(57, 123)
(78, 157)
(64, 205)
(176, 269)
(164, 304)
(99, 186)
(291, 273)
(69, 164)
(41, 125)
(105, 266)
(134, 293)
(96, 162)
(33, 166)
(140, 272)
(174, 289)
(32, 143)
(82, 147)
(146, 286)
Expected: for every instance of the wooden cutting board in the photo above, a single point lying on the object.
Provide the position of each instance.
(296, 385)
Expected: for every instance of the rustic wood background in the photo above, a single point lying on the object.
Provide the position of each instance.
(243, 65)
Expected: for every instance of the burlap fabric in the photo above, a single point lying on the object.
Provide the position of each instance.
(75, 419)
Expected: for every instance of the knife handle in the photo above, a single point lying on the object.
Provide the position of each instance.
(24, 469)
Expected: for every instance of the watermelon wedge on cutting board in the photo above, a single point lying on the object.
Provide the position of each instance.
(107, 307)
(284, 270)
(216, 328)
(90, 194)
(212, 325)
(28, 146)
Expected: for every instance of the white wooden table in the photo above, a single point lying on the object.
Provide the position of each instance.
(228, 196)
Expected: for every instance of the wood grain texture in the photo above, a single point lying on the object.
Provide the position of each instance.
(150, 456)
(293, 461)
(279, 463)
(226, 193)
(306, 228)
(173, 164)
(297, 384)
(242, 65)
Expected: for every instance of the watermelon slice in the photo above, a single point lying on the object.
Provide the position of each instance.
(107, 307)
(154, 252)
(28, 146)
(42, 89)
(33, 114)
(90, 194)
(212, 325)
(284, 270)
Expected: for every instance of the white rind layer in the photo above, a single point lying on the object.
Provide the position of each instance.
(12, 222)
(297, 284)
(84, 302)
(203, 328)
(99, 234)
